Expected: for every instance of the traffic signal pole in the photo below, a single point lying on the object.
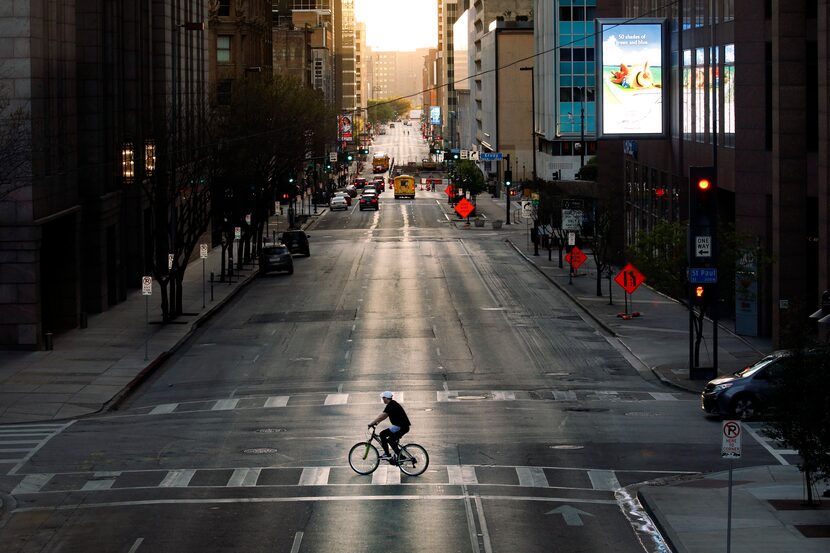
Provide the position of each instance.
(508, 181)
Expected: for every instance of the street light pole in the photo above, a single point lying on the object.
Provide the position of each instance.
(582, 132)
(533, 145)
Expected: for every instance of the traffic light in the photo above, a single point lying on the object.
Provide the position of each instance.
(364, 151)
(703, 198)
(349, 156)
(508, 178)
(455, 155)
(702, 294)
(328, 166)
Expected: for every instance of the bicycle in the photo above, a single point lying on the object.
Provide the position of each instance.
(364, 457)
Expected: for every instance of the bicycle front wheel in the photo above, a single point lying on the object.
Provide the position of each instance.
(413, 459)
(364, 458)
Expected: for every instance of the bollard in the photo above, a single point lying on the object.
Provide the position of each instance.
(211, 286)
(47, 341)
(83, 322)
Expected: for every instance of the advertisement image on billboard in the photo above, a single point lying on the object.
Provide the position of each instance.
(345, 128)
(435, 115)
(632, 84)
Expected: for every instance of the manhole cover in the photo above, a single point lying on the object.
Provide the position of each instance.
(259, 450)
(566, 446)
(270, 430)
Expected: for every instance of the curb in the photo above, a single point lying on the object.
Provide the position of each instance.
(7, 505)
(673, 383)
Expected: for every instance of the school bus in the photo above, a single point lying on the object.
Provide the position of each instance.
(380, 163)
(404, 186)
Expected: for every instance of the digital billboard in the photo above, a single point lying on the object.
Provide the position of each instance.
(345, 124)
(435, 115)
(632, 91)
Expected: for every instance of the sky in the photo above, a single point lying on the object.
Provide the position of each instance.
(399, 25)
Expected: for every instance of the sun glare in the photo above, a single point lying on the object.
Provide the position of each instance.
(399, 25)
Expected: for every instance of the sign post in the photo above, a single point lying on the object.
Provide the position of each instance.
(203, 253)
(730, 449)
(146, 291)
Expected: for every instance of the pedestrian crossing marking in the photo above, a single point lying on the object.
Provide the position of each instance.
(564, 395)
(337, 399)
(225, 405)
(316, 476)
(243, 478)
(385, 475)
(177, 478)
(164, 409)
(663, 396)
(31, 436)
(276, 401)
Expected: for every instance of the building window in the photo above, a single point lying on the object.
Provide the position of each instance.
(729, 95)
(224, 9)
(700, 94)
(224, 91)
(687, 94)
(223, 49)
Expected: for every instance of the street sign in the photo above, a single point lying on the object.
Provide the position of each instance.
(703, 275)
(237, 232)
(629, 278)
(703, 246)
(332, 156)
(576, 258)
(169, 261)
(474, 155)
(146, 286)
(527, 209)
(572, 203)
(490, 156)
(571, 219)
(731, 443)
(465, 154)
(571, 238)
(464, 207)
(203, 251)
(448, 190)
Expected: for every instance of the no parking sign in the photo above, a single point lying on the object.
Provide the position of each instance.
(731, 443)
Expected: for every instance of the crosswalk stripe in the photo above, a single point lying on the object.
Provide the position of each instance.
(504, 396)
(532, 477)
(95, 485)
(32, 483)
(564, 395)
(243, 478)
(386, 475)
(177, 478)
(8, 461)
(25, 432)
(164, 409)
(663, 396)
(276, 401)
(18, 442)
(337, 399)
(315, 476)
(604, 480)
(225, 404)
(462, 474)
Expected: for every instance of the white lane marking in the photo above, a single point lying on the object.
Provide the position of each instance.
(348, 353)
(337, 399)
(19, 442)
(604, 480)
(24, 432)
(564, 395)
(462, 474)
(107, 474)
(33, 426)
(12, 450)
(485, 534)
(276, 401)
(532, 477)
(663, 396)
(309, 499)
(243, 478)
(315, 476)
(136, 545)
(504, 396)
(32, 483)
(96, 485)
(177, 478)
(298, 539)
(10, 461)
(164, 409)
(224, 405)
(471, 525)
(766, 445)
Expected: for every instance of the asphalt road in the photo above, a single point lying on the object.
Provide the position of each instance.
(533, 419)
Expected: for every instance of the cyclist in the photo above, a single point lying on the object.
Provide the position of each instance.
(400, 425)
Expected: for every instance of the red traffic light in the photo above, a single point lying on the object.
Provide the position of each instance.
(699, 292)
(704, 184)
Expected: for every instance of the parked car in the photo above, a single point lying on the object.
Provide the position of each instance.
(747, 392)
(275, 258)
(346, 196)
(369, 201)
(338, 202)
(296, 241)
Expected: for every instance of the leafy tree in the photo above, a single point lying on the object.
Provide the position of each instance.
(661, 254)
(801, 404)
(383, 111)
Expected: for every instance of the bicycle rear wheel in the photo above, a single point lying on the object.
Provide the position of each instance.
(413, 459)
(364, 458)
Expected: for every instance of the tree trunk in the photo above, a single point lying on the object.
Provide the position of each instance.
(599, 281)
(809, 485)
(165, 302)
(177, 283)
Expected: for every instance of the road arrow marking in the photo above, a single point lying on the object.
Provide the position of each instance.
(571, 515)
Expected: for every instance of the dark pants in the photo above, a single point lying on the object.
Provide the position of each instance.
(387, 437)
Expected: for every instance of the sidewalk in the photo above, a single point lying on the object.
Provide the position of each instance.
(90, 369)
